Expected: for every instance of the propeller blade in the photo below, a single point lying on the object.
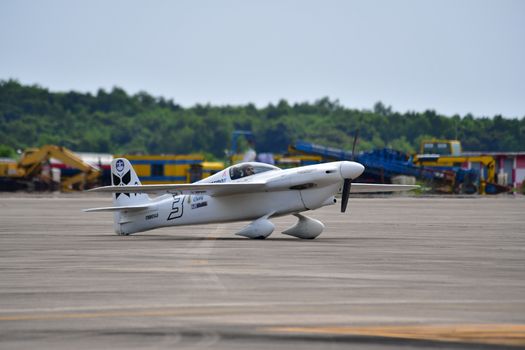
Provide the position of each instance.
(346, 193)
(355, 142)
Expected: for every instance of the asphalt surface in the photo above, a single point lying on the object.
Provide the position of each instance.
(393, 273)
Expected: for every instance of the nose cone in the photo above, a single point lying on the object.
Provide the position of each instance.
(351, 170)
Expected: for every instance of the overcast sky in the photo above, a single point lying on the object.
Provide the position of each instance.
(452, 56)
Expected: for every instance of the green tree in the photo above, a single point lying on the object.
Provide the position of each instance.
(7, 152)
(118, 122)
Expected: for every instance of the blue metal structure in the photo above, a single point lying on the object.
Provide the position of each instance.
(386, 163)
(382, 162)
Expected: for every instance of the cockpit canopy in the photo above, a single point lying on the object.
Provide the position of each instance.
(248, 169)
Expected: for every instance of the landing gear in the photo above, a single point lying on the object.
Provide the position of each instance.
(259, 229)
(306, 228)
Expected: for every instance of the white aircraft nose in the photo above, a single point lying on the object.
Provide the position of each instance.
(351, 170)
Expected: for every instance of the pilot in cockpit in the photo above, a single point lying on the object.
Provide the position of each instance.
(248, 170)
(241, 171)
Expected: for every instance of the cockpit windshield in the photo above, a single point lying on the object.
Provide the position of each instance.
(248, 169)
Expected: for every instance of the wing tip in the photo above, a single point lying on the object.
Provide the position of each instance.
(137, 207)
(377, 188)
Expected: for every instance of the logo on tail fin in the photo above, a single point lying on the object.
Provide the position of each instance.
(119, 165)
(122, 181)
(123, 176)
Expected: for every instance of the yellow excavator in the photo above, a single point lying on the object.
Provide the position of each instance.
(33, 171)
(448, 154)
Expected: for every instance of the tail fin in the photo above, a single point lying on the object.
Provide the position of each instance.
(123, 174)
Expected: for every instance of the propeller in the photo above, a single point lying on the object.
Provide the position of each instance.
(353, 145)
(347, 183)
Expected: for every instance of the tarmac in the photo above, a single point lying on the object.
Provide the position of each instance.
(391, 273)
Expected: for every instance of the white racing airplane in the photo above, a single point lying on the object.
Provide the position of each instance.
(250, 191)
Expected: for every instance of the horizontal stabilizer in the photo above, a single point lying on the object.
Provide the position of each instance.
(211, 189)
(371, 188)
(121, 208)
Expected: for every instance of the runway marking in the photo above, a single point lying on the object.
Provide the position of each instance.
(109, 314)
(493, 334)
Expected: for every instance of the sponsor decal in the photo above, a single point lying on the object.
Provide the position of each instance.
(197, 198)
(199, 205)
(152, 216)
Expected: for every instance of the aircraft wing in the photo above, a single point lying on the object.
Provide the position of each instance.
(122, 208)
(371, 188)
(211, 189)
(230, 188)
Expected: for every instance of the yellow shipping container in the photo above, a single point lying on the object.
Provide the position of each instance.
(210, 168)
(165, 169)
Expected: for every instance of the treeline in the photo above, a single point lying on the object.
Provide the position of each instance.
(117, 122)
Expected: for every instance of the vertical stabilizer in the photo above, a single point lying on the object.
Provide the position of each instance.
(123, 174)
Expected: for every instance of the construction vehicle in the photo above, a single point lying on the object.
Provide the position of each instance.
(33, 171)
(447, 155)
(440, 147)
